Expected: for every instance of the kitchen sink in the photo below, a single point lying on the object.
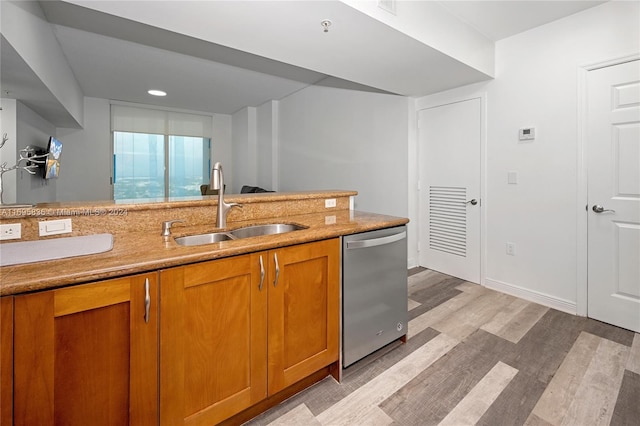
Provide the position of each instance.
(200, 239)
(269, 229)
(246, 232)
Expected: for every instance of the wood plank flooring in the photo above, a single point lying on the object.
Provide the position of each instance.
(475, 356)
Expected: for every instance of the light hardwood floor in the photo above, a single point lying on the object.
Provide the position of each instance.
(477, 356)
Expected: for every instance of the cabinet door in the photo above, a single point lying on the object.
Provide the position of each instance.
(6, 361)
(87, 354)
(212, 340)
(303, 311)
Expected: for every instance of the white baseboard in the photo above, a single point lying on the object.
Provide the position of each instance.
(532, 296)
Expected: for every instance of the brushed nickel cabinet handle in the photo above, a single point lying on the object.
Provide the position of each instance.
(261, 274)
(275, 258)
(147, 300)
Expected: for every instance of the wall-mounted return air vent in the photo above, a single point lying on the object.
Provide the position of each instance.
(448, 219)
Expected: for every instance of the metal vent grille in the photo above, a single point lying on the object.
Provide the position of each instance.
(448, 219)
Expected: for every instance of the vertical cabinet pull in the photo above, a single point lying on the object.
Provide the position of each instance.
(147, 300)
(275, 258)
(261, 274)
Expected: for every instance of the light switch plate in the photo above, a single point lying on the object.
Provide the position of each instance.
(54, 227)
(512, 178)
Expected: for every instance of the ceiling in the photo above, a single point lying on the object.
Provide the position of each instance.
(501, 19)
(120, 59)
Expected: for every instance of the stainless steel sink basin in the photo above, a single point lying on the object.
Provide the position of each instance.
(269, 229)
(200, 239)
(246, 232)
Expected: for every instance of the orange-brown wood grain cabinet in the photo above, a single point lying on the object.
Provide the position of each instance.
(234, 331)
(6, 361)
(304, 297)
(88, 354)
(190, 345)
(213, 341)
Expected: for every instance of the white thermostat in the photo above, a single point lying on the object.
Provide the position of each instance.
(527, 134)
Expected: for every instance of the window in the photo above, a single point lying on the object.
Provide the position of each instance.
(188, 165)
(159, 154)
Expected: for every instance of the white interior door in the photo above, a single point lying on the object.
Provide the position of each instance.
(449, 139)
(613, 163)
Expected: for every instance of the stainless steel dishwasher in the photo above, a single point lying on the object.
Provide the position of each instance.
(374, 291)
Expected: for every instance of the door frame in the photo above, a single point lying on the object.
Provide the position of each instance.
(582, 275)
(442, 99)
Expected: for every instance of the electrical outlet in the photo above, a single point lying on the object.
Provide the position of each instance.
(10, 231)
(511, 249)
(330, 202)
(329, 220)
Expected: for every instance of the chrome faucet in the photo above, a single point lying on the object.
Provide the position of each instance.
(217, 182)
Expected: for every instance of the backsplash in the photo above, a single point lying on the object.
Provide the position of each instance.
(109, 217)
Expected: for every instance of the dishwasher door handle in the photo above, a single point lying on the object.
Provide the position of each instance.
(376, 241)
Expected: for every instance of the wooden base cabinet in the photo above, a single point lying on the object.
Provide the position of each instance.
(234, 331)
(87, 355)
(213, 335)
(6, 361)
(304, 297)
(191, 345)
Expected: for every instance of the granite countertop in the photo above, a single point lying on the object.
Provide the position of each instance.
(138, 252)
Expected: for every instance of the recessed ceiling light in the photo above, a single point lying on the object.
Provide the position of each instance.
(157, 93)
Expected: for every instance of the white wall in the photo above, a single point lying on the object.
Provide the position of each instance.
(244, 147)
(8, 121)
(222, 144)
(433, 25)
(267, 144)
(33, 130)
(537, 85)
(412, 176)
(27, 30)
(255, 147)
(86, 162)
(341, 139)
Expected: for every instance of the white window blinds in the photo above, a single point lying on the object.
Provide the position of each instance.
(142, 120)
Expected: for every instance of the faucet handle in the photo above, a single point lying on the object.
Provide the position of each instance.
(166, 226)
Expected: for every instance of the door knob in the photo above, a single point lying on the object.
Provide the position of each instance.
(473, 202)
(599, 209)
